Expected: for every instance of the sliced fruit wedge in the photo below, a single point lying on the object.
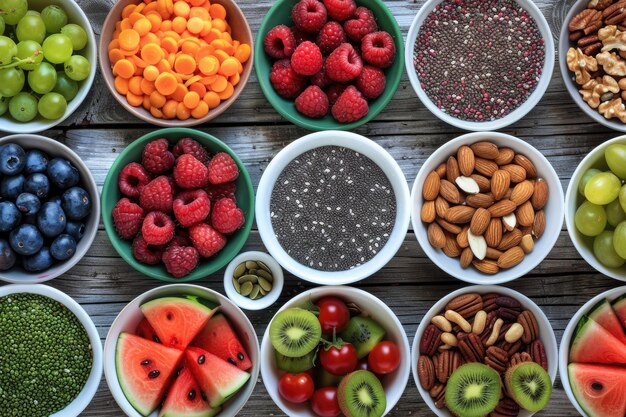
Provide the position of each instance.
(184, 399)
(599, 389)
(605, 316)
(219, 338)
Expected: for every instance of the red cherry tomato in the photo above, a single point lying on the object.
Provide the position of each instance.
(324, 402)
(296, 388)
(362, 365)
(339, 360)
(334, 314)
(384, 358)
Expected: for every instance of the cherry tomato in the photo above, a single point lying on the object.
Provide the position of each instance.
(334, 314)
(324, 402)
(339, 360)
(362, 365)
(384, 358)
(296, 388)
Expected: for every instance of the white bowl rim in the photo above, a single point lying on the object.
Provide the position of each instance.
(85, 396)
(510, 118)
(542, 319)
(532, 260)
(358, 143)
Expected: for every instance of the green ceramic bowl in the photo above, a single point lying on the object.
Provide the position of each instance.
(280, 14)
(111, 195)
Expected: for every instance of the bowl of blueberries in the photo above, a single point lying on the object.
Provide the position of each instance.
(49, 208)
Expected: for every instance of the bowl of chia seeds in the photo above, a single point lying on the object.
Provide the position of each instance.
(470, 78)
(53, 364)
(333, 207)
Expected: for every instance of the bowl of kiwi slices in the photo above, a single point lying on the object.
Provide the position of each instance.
(335, 350)
(480, 342)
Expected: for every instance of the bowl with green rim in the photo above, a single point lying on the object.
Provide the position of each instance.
(280, 14)
(244, 195)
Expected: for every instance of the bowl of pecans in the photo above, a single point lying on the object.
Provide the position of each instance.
(487, 207)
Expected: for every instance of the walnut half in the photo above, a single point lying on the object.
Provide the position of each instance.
(613, 109)
(599, 90)
(581, 65)
(612, 63)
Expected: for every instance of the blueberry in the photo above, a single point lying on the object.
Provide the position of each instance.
(62, 173)
(37, 184)
(75, 229)
(9, 216)
(56, 200)
(26, 239)
(51, 220)
(12, 159)
(40, 261)
(28, 204)
(76, 203)
(63, 247)
(7, 256)
(11, 187)
(36, 161)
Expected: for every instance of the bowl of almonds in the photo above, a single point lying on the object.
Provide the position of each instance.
(487, 207)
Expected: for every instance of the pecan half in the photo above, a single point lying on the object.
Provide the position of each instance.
(472, 348)
(467, 305)
(531, 328)
(538, 352)
(447, 362)
(584, 19)
(426, 372)
(519, 357)
(438, 394)
(505, 408)
(508, 302)
(508, 314)
(497, 359)
(430, 341)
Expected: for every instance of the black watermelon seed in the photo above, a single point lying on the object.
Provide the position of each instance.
(192, 395)
(596, 386)
(240, 356)
(156, 339)
(146, 362)
(154, 374)
(201, 359)
(203, 395)
(232, 361)
(170, 316)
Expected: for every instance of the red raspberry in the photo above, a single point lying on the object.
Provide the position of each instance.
(340, 10)
(309, 15)
(312, 102)
(191, 207)
(190, 173)
(378, 49)
(226, 217)
(224, 190)
(191, 147)
(127, 218)
(179, 240)
(156, 157)
(343, 64)
(330, 37)
(157, 195)
(350, 107)
(206, 239)
(307, 59)
(157, 228)
(285, 80)
(279, 42)
(371, 82)
(132, 179)
(334, 91)
(146, 253)
(222, 168)
(300, 36)
(180, 261)
(364, 23)
(321, 79)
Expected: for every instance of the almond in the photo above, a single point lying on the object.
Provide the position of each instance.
(441, 206)
(511, 257)
(518, 174)
(513, 238)
(500, 183)
(485, 166)
(483, 183)
(447, 226)
(480, 221)
(428, 212)
(525, 214)
(522, 192)
(467, 184)
(465, 157)
(509, 221)
(539, 225)
(493, 234)
(477, 244)
(436, 238)
(493, 253)
(441, 170)
(460, 214)
(461, 238)
(540, 194)
(526, 230)
(486, 266)
(505, 156)
(451, 249)
(449, 192)
(432, 185)
(480, 200)
(452, 169)
(467, 256)
(502, 208)
(486, 150)
(527, 244)
(524, 162)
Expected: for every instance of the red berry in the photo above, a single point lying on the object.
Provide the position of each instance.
(132, 179)
(340, 10)
(190, 173)
(127, 218)
(309, 15)
(334, 91)
(279, 42)
(157, 228)
(180, 261)
(222, 168)
(179, 240)
(330, 37)
(313, 102)
(371, 82)
(157, 195)
(191, 207)
(343, 64)
(307, 59)
(287, 82)
(378, 49)
(350, 107)
(191, 147)
(300, 36)
(156, 157)
(224, 190)
(146, 253)
(206, 239)
(364, 23)
(321, 79)
(226, 217)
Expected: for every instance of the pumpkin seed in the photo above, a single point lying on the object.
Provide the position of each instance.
(251, 265)
(246, 288)
(262, 291)
(248, 278)
(236, 285)
(263, 273)
(265, 284)
(255, 291)
(240, 270)
(264, 267)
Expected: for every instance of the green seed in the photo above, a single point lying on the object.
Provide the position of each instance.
(265, 284)
(255, 291)
(240, 270)
(246, 288)
(251, 265)
(236, 285)
(265, 274)
(263, 266)
(262, 291)
(248, 278)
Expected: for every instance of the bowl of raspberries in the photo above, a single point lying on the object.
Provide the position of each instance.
(177, 204)
(329, 64)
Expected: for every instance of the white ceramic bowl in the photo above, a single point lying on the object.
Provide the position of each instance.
(546, 334)
(56, 149)
(394, 383)
(362, 145)
(512, 117)
(566, 340)
(553, 209)
(93, 381)
(245, 302)
(584, 244)
(130, 316)
(75, 15)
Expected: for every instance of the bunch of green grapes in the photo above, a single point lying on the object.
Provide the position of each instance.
(40, 61)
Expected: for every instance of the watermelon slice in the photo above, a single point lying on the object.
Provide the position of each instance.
(219, 338)
(146, 331)
(184, 399)
(217, 378)
(176, 320)
(619, 305)
(599, 389)
(594, 344)
(144, 369)
(605, 316)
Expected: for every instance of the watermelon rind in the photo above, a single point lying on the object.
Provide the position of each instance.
(603, 314)
(609, 404)
(619, 305)
(207, 303)
(177, 403)
(592, 343)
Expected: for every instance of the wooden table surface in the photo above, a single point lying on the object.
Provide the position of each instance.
(103, 283)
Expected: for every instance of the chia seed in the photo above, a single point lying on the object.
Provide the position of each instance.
(332, 209)
(479, 60)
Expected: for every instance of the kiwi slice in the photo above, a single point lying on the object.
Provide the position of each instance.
(364, 333)
(295, 365)
(295, 332)
(360, 394)
(473, 390)
(529, 385)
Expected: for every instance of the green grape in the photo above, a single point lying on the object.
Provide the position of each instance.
(23, 107)
(77, 67)
(4, 105)
(57, 48)
(33, 13)
(590, 219)
(43, 78)
(54, 18)
(614, 213)
(619, 239)
(11, 81)
(616, 159)
(1, 26)
(29, 49)
(77, 35)
(603, 188)
(31, 28)
(622, 197)
(8, 50)
(585, 179)
(605, 251)
(52, 106)
(65, 86)
(13, 10)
